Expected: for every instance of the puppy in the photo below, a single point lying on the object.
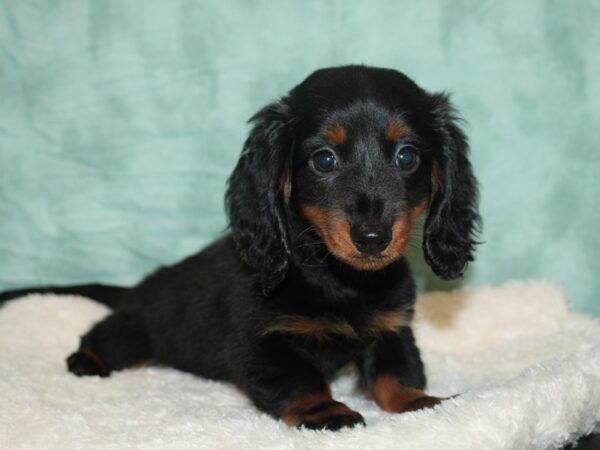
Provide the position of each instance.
(312, 276)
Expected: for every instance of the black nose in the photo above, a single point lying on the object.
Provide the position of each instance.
(370, 239)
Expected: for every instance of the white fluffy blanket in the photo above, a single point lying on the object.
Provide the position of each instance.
(527, 367)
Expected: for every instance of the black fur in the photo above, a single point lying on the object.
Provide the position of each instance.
(224, 313)
(453, 220)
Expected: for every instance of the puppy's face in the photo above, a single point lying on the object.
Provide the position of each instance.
(347, 161)
(363, 168)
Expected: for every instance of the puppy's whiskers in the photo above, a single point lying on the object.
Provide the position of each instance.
(307, 229)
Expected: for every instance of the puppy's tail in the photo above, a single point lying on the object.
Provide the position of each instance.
(109, 295)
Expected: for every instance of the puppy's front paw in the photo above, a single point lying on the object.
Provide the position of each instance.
(333, 420)
(86, 363)
(330, 416)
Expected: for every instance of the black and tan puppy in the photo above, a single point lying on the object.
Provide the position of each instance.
(312, 276)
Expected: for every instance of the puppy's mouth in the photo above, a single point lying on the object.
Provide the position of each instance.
(334, 229)
(369, 263)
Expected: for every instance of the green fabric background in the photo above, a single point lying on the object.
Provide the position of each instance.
(120, 121)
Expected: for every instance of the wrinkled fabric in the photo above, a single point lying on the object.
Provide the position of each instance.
(121, 120)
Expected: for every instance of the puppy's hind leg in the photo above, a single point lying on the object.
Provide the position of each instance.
(117, 342)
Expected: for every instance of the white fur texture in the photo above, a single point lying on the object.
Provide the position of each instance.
(527, 367)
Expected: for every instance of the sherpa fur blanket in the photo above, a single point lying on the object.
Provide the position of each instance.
(527, 369)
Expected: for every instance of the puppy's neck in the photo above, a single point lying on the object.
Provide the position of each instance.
(341, 281)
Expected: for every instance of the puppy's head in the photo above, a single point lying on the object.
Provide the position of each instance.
(347, 162)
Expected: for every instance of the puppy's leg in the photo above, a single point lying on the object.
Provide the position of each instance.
(117, 342)
(393, 372)
(286, 387)
(319, 411)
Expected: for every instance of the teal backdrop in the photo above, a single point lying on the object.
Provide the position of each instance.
(121, 120)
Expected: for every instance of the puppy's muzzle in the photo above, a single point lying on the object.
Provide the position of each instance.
(370, 239)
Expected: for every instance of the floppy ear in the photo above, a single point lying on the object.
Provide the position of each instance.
(254, 200)
(453, 220)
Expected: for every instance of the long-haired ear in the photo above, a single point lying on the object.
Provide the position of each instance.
(254, 200)
(453, 220)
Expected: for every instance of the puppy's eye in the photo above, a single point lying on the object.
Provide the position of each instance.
(324, 161)
(407, 158)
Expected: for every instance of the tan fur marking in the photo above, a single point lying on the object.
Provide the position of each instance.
(419, 209)
(333, 227)
(389, 321)
(437, 180)
(295, 410)
(336, 134)
(391, 396)
(395, 131)
(323, 329)
(401, 229)
(317, 328)
(286, 183)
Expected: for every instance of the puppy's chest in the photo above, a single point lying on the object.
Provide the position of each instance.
(359, 327)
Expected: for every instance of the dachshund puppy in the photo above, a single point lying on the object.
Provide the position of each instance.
(312, 276)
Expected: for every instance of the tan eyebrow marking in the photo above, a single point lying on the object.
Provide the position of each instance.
(395, 131)
(336, 134)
